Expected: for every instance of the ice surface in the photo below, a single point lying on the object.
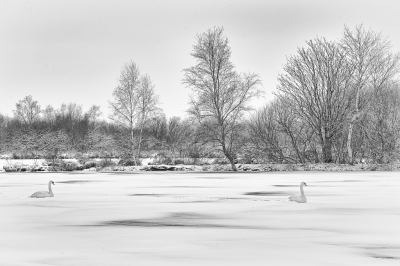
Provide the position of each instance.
(351, 218)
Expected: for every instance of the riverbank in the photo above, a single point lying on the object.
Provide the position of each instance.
(98, 165)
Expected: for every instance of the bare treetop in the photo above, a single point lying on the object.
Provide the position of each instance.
(27, 110)
(134, 102)
(220, 95)
(318, 82)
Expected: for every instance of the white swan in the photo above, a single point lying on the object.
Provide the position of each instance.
(44, 194)
(299, 198)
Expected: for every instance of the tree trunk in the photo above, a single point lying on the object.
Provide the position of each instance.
(227, 153)
(350, 136)
(316, 156)
(132, 145)
(232, 164)
(351, 126)
(294, 143)
(349, 149)
(327, 151)
(140, 140)
(229, 157)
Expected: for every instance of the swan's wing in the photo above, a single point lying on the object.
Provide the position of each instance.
(294, 198)
(297, 198)
(40, 194)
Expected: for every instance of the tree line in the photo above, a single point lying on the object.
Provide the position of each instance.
(336, 101)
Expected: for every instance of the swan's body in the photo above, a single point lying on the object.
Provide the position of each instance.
(44, 194)
(299, 198)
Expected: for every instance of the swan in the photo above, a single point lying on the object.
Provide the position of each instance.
(44, 194)
(299, 198)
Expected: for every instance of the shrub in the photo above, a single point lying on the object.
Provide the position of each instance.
(79, 167)
(167, 160)
(217, 167)
(128, 162)
(89, 164)
(194, 153)
(162, 159)
(289, 167)
(68, 166)
(246, 159)
(206, 161)
(205, 168)
(372, 167)
(106, 163)
(82, 159)
(16, 167)
(220, 161)
(179, 161)
(54, 164)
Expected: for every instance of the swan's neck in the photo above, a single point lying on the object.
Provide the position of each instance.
(302, 191)
(50, 191)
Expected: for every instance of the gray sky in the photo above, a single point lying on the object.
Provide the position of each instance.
(73, 51)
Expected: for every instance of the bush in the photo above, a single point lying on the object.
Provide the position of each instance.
(220, 161)
(179, 161)
(68, 166)
(54, 164)
(128, 162)
(16, 167)
(82, 159)
(106, 163)
(289, 167)
(218, 168)
(247, 159)
(161, 159)
(205, 168)
(78, 155)
(167, 161)
(89, 164)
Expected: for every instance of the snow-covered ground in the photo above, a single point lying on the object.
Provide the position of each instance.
(200, 219)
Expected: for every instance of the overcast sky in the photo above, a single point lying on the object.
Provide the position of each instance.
(73, 51)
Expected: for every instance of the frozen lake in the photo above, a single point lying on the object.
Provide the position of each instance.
(351, 218)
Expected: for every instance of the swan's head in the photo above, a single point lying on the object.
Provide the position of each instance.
(303, 184)
(51, 181)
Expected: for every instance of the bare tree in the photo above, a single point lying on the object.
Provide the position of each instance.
(49, 115)
(157, 129)
(374, 68)
(220, 96)
(54, 142)
(99, 141)
(265, 136)
(93, 115)
(382, 127)
(3, 133)
(124, 108)
(278, 134)
(27, 110)
(178, 136)
(296, 129)
(318, 82)
(147, 105)
(134, 101)
(74, 115)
